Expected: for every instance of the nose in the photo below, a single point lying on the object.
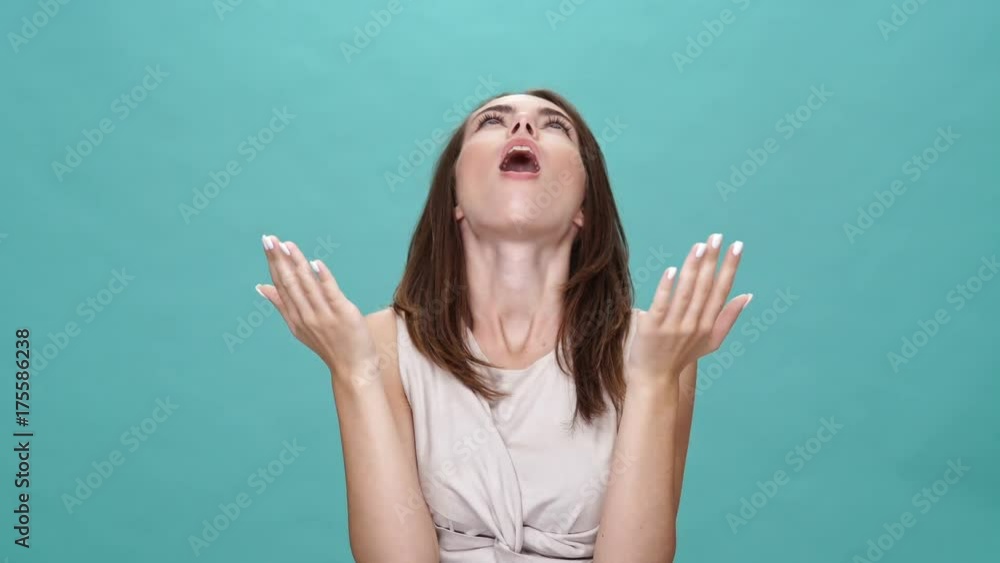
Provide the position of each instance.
(522, 121)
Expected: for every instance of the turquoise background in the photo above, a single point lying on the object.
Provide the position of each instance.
(321, 182)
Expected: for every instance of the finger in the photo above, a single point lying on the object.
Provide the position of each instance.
(685, 284)
(727, 318)
(293, 282)
(270, 293)
(328, 284)
(661, 300)
(274, 253)
(705, 283)
(307, 279)
(723, 283)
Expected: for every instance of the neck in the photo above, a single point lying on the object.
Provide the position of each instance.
(515, 292)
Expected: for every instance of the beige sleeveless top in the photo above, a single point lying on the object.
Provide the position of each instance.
(507, 482)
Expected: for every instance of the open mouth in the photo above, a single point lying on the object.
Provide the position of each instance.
(520, 158)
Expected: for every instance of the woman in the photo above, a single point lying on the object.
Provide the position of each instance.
(511, 405)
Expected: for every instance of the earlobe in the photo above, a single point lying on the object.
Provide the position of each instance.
(578, 219)
(459, 214)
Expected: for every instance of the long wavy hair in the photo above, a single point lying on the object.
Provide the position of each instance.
(433, 299)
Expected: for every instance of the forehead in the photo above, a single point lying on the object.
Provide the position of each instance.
(520, 102)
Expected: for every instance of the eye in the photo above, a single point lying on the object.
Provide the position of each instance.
(553, 120)
(488, 117)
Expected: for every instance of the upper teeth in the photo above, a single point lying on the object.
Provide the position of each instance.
(519, 148)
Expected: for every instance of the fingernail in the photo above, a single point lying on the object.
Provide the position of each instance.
(747, 302)
(699, 250)
(257, 289)
(671, 272)
(315, 266)
(716, 240)
(285, 249)
(737, 247)
(268, 245)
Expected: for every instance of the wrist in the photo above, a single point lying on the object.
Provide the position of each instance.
(355, 378)
(664, 383)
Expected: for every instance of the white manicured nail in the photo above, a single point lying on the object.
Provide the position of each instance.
(699, 250)
(257, 288)
(671, 272)
(315, 266)
(267, 242)
(715, 240)
(747, 302)
(737, 248)
(285, 249)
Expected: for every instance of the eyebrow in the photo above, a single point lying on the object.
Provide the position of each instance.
(505, 108)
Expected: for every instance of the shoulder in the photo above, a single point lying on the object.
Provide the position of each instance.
(382, 324)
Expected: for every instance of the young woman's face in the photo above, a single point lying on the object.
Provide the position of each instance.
(520, 168)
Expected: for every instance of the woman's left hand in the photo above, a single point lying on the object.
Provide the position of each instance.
(691, 320)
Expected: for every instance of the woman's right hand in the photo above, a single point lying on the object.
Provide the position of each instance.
(316, 311)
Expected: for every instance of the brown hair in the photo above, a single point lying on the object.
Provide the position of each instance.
(432, 295)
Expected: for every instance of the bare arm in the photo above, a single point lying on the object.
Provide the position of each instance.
(685, 413)
(388, 518)
(684, 323)
(640, 505)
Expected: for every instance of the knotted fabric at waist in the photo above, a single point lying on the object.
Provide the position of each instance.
(538, 547)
